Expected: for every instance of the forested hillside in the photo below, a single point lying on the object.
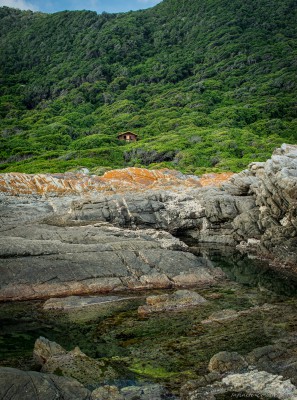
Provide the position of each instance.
(208, 85)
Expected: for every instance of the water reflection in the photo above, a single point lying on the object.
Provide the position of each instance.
(245, 270)
(166, 347)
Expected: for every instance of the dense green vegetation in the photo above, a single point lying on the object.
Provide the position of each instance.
(207, 85)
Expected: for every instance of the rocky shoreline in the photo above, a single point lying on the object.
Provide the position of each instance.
(62, 239)
(267, 372)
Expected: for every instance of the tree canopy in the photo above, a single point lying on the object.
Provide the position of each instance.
(208, 85)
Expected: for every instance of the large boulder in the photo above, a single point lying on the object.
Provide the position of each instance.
(24, 385)
(75, 364)
(44, 349)
(226, 361)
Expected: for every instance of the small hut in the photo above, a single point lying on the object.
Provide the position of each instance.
(128, 136)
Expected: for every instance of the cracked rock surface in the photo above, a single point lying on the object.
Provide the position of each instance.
(40, 260)
(16, 385)
(55, 241)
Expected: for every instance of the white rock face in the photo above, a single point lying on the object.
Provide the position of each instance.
(262, 383)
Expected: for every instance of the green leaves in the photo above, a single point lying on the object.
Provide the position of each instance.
(207, 85)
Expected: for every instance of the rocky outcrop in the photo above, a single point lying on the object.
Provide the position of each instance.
(275, 192)
(79, 234)
(121, 180)
(31, 385)
(259, 384)
(226, 361)
(265, 372)
(129, 179)
(16, 385)
(41, 261)
(74, 364)
(44, 349)
(205, 214)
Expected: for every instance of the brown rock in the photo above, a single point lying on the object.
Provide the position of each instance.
(107, 393)
(31, 385)
(179, 300)
(74, 364)
(226, 361)
(45, 349)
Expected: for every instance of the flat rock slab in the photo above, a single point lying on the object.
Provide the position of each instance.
(229, 315)
(179, 300)
(78, 302)
(40, 261)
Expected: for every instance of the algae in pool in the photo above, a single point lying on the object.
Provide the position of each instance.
(169, 348)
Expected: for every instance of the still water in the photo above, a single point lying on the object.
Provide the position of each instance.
(168, 348)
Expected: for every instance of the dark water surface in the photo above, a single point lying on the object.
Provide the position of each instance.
(170, 348)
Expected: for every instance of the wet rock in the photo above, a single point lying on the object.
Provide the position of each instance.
(253, 383)
(16, 385)
(263, 384)
(261, 356)
(75, 364)
(147, 392)
(171, 302)
(82, 302)
(193, 385)
(103, 234)
(45, 349)
(226, 361)
(222, 315)
(107, 393)
(228, 315)
(275, 359)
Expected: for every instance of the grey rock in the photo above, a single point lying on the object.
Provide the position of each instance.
(72, 245)
(248, 384)
(240, 184)
(82, 302)
(74, 364)
(147, 392)
(107, 393)
(16, 385)
(191, 386)
(275, 359)
(41, 260)
(262, 383)
(44, 349)
(226, 361)
(179, 300)
(275, 194)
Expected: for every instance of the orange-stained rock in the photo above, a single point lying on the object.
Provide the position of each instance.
(215, 179)
(121, 180)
